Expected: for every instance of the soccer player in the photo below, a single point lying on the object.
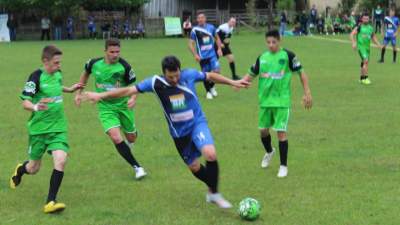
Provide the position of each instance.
(225, 32)
(47, 125)
(274, 68)
(176, 92)
(361, 40)
(112, 72)
(391, 25)
(201, 44)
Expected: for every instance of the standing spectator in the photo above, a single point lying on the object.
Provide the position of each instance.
(378, 17)
(12, 25)
(187, 27)
(127, 28)
(92, 27)
(105, 29)
(303, 23)
(353, 20)
(320, 24)
(115, 29)
(70, 28)
(58, 23)
(337, 24)
(140, 29)
(313, 17)
(329, 25)
(283, 23)
(45, 25)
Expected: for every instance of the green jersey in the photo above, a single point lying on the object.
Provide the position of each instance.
(275, 70)
(44, 87)
(109, 77)
(364, 36)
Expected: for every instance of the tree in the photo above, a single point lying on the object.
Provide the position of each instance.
(111, 4)
(285, 4)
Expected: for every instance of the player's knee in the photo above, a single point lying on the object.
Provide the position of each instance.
(33, 168)
(194, 167)
(209, 153)
(282, 136)
(115, 137)
(131, 137)
(264, 132)
(59, 163)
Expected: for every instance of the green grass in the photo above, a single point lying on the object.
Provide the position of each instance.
(343, 155)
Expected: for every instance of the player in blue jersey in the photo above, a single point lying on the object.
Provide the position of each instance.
(203, 37)
(188, 126)
(391, 26)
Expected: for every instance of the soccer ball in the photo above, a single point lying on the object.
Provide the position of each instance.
(249, 209)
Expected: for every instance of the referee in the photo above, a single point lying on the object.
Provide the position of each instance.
(224, 32)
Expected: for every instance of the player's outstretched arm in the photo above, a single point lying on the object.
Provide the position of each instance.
(218, 78)
(376, 41)
(117, 93)
(352, 37)
(82, 81)
(192, 48)
(73, 88)
(29, 106)
(307, 98)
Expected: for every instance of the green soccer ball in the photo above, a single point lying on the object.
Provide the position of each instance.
(249, 209)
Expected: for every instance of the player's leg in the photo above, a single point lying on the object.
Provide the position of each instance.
(265, 120)
(394, 49)
(205, 67)
(364, 54)
(215, 67)
(127, 119)
(281, 120)
(231, 60)
(385, 43)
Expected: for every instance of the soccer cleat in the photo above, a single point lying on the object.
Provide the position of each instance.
(140, 173)
(209, 96)
(283, 171)
(217, 199)
(214, 92)
(53, 207)
(15, 180)
(366, 81)
(267, 158)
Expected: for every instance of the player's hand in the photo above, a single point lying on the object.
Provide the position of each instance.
(77, 86)
(354, 46)
(197, 58)
(219, 52)
(132, 102)
(93, 97)
(78, 99)
(41, 106)
(240, 83)
(307, 101)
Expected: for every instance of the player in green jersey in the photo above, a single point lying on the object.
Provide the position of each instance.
(111, 72)
(361, 40)
(47, 125)
(274, 68)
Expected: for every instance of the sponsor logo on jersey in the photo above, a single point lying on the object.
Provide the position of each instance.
(178, 101)
(275, 76)
(182, 117)
(30, 87)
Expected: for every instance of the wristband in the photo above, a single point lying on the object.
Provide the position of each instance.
(36, 107)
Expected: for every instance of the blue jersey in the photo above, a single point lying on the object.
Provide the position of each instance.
(391, 26)
(204, 38)
(181, 105)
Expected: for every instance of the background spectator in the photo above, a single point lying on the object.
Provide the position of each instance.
(105, 29)
(58, 23)
(92, 27)
(127, 28)
(45, 26)
(12, 25)
(70, 28)
(320, 24)
(303, 23)
(115, 29)
(187, 27)
(313, 17)
(140, 29)
(329, 24)
(378, 17)
(283, 23)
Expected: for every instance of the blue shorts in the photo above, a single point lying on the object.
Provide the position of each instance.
(388, 40)
(190, 146)
(210, 65)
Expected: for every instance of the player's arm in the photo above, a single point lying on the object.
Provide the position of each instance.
(253, 71)
(219, 44)
(29, 106)
(375, 40)
(192, 46)
(117, 93)
(307, 98)
(218, 78)
(82, 81)
(73, 88)
(352, 37)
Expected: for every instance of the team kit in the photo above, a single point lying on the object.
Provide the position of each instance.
(175, 89)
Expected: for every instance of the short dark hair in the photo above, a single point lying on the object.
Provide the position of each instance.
(112, 42)
(274, 34)
(201, 13)
(170, 63)
(50, 51)
(365, 14)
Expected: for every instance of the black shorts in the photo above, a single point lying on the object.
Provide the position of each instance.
(226, 50)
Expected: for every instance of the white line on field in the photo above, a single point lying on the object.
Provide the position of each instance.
(339, 41)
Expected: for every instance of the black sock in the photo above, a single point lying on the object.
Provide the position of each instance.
(383, 54)
(233, 69)
(55, 182)
(207, 86)
(283, 152)
(201, 174)
(125, 152)
(363, 77)
(22, 170)
(394, 55)
(212, 174)
(267, 143)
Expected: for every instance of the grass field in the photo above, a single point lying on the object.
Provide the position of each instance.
(343, 155)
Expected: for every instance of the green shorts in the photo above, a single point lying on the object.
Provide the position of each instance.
(276, 118)
(39, 144)
(364, 53)
(125, 119)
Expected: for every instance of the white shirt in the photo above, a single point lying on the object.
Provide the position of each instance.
(45, 23)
